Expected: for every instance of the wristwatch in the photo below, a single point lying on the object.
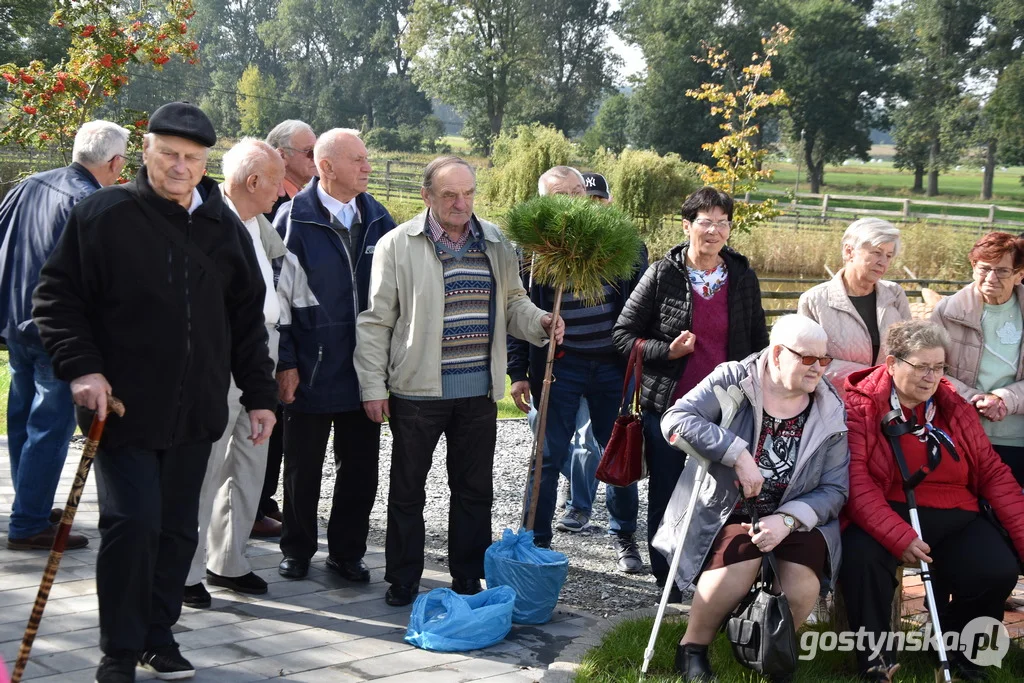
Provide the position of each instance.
(789, 521)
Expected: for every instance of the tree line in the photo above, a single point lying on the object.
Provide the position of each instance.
(945, 78)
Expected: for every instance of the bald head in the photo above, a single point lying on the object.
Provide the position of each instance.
(253, 176)
(343, 163)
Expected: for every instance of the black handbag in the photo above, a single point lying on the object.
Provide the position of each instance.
(761, 629)
(986, 510)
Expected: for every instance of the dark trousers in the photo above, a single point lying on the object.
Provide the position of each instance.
(356, 452)
(973, 572)
(275, 454)
(470, 427)
(149, 520)
(1013, 456)
(664, 465)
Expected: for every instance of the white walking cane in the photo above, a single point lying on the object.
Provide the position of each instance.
(730, 400)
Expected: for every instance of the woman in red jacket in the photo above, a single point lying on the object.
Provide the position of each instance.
(973, 568)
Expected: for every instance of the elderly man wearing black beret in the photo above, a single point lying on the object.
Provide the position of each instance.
(153, 294)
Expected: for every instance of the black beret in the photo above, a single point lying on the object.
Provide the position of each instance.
(183, 120)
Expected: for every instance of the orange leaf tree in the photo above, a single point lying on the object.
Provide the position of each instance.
(47, 104)
(737, 101)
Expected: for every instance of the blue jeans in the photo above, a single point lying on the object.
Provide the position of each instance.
(40, 422)
(598, 385)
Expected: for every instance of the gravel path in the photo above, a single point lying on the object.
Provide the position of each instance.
(593, 585)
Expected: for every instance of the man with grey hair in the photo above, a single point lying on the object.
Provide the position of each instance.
(561, 180)
(253, 173)
(294, 140)
(444, 293)
(332, 228)
(40, 414)
(153, 294)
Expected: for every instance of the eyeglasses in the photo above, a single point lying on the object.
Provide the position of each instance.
(923, 370)
(308, 153)
(704, 224)
(1001, 273)
(809, 360)
(116, 156)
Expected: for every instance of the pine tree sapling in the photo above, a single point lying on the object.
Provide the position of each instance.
(574, 244)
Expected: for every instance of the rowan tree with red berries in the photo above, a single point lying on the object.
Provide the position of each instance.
(47, 104)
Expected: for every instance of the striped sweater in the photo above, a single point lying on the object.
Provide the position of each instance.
(466, 336)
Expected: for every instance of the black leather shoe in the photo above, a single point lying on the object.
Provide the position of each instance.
(692, 663)
(399, 595)
(196, 597)
(293, 568)
(249, 584)
(353, 570)
(466, 586)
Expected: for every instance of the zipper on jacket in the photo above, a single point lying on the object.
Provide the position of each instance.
(316, 368)
(188, 329)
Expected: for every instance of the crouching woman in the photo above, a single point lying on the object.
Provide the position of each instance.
(787, 448)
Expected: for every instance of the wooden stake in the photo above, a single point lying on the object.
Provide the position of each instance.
(542, 415)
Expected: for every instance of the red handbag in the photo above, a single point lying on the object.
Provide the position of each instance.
(623, 461)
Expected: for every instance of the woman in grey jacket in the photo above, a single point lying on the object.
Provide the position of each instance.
(787, 448)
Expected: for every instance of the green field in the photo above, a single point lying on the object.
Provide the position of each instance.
(881, 179)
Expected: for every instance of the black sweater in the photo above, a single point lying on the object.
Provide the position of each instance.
(164, 325)
(661, 307)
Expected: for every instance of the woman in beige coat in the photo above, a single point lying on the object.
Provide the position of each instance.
(857, 306)
(985, 320)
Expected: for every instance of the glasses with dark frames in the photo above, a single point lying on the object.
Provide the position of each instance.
(920, 370)
(809, 360)
(308, 153)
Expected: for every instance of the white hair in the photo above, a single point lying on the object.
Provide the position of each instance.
(557, 173)
(97, 142)
(246, 158)
(872, 232)
(328, 141)
(795, 330)
(282, 134)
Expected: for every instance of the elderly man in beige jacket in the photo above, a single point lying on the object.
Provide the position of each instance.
(431, 355)
(857, 306)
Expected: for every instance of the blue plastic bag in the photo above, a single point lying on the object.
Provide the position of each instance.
(536, 574)
(445, 621)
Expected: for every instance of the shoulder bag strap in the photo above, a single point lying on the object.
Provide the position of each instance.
(638, 373)
(769, 567)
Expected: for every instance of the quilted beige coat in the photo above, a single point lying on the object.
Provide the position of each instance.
(848, 339)
(960, 314)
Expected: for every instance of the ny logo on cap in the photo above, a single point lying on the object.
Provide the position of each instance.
(591, 181)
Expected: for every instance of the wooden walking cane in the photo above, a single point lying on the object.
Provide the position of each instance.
(542, 415)
(60, 541)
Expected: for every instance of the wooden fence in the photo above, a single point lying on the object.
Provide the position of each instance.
(785, 296)
(820, 209)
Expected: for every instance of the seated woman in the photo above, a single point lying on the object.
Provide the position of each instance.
(787, 447)
(857, 306)
(973, 568)
(985, 320)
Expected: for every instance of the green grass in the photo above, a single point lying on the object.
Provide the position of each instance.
(619, 656)
(882, 179)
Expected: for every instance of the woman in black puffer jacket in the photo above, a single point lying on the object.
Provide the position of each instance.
(697, 307)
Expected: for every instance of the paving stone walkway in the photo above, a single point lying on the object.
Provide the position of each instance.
(321, 629)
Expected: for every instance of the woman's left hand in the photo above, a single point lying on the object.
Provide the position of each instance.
(773, 531)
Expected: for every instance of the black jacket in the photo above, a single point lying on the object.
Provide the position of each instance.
(166, 325)
(526, 361)
(661, 307)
